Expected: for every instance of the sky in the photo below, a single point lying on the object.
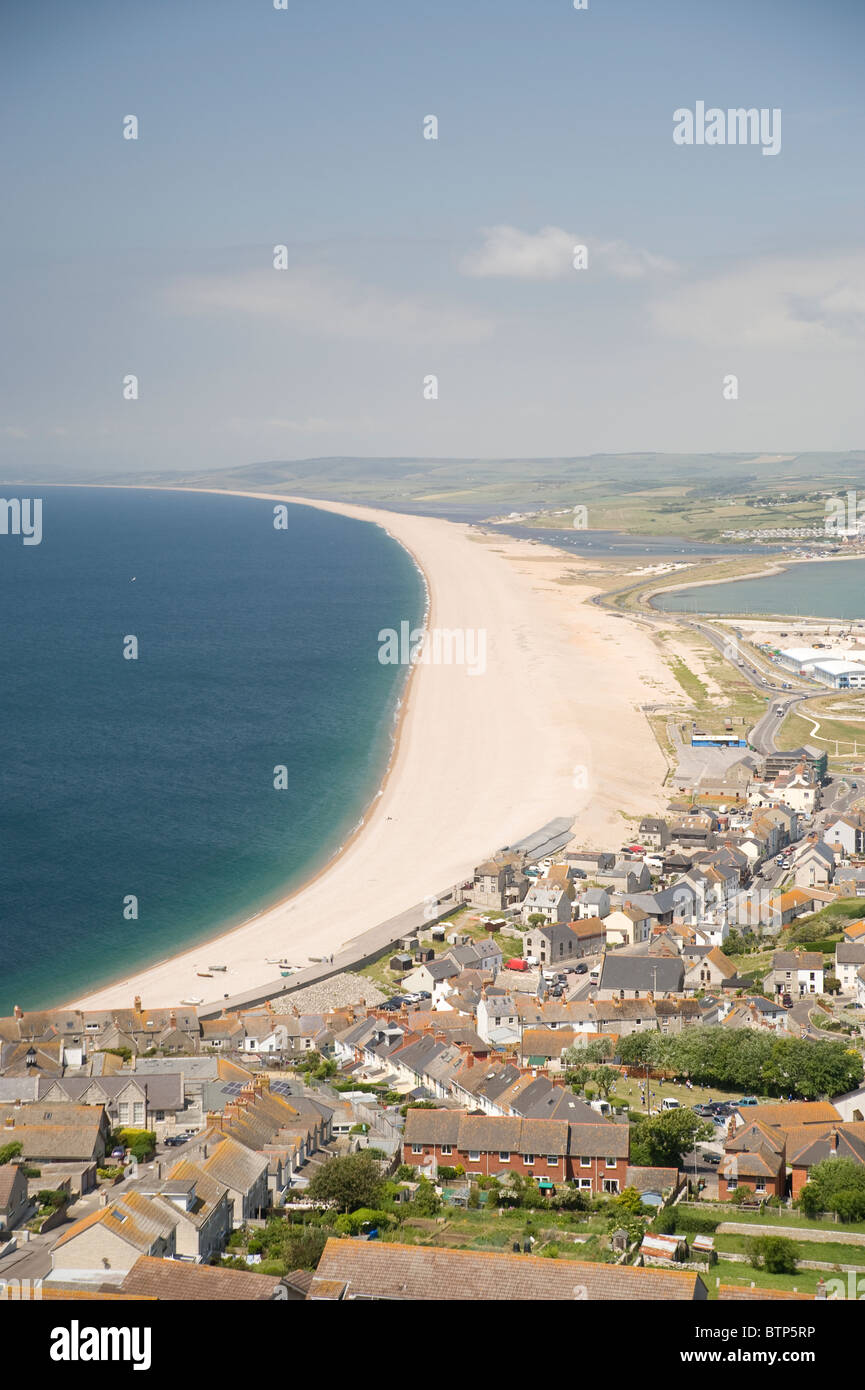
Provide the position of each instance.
(409, 258)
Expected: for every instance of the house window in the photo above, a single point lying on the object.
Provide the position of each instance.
(611, 1184)
(585, 1163)
(446, 1150)
(586, 1183)
(417, 1148)
(474, 1156)
(610, 1162)
(552, 1160)
(160, 1116)
(760, 1186)
(529, 1159)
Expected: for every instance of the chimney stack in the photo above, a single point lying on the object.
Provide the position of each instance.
(136, 1003)
(833, 1142)
(18, 1012)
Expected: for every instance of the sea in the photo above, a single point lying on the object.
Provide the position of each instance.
(830, 589)
(162, 655)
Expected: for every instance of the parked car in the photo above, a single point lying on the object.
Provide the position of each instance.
(787, 1001)
(582, 968)
(712, 1158)
(669, 1103)
(749, 1100)
(175, 1140)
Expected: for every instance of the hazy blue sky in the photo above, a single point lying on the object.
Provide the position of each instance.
(410, 256)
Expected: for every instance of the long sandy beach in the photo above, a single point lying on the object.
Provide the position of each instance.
(551, 727)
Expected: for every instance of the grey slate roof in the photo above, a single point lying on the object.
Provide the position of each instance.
(662, 974)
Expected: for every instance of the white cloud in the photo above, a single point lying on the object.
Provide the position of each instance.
(508, 253)
(326, 306)
(789, 303)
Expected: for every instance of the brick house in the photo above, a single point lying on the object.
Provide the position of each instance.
(754, 1157)
(805, 1148)
(593, 1156)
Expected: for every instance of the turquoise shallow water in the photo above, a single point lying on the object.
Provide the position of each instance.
(154, 777)
(831, 590)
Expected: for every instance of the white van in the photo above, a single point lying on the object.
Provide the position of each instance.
(603, 1107)
(669, 1104)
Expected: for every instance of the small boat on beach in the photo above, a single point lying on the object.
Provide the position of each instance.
(218, 967)
(193, 1000)
(204, 974)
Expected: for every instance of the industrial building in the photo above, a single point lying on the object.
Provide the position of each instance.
(840, 671)
(840, 675)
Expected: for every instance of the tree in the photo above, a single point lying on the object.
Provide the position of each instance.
(537, 919)
(661, 1141)
(599, 1050)
(351, 1181)
(426, 1200)
(577, 1077)
(10, 1151)
(836, 1184)
(605, 1079)
(776, 1254)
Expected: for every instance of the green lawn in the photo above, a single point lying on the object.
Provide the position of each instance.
(728, 1272)
(773, 1217)
(827, 1252)
(698, 1095)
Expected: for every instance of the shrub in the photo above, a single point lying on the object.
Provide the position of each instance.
(352, 1223)
(141, 1143)
(664, 1223)
(776, 1254)
(10, 1151)
(51, 1197)
(696, 1223)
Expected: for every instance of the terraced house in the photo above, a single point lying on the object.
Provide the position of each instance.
(592, 1156)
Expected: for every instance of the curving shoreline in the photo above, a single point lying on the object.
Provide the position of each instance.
(476, 763)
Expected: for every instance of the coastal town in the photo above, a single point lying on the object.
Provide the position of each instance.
(631, 1073)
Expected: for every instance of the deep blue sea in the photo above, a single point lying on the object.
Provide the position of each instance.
(154, 777)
